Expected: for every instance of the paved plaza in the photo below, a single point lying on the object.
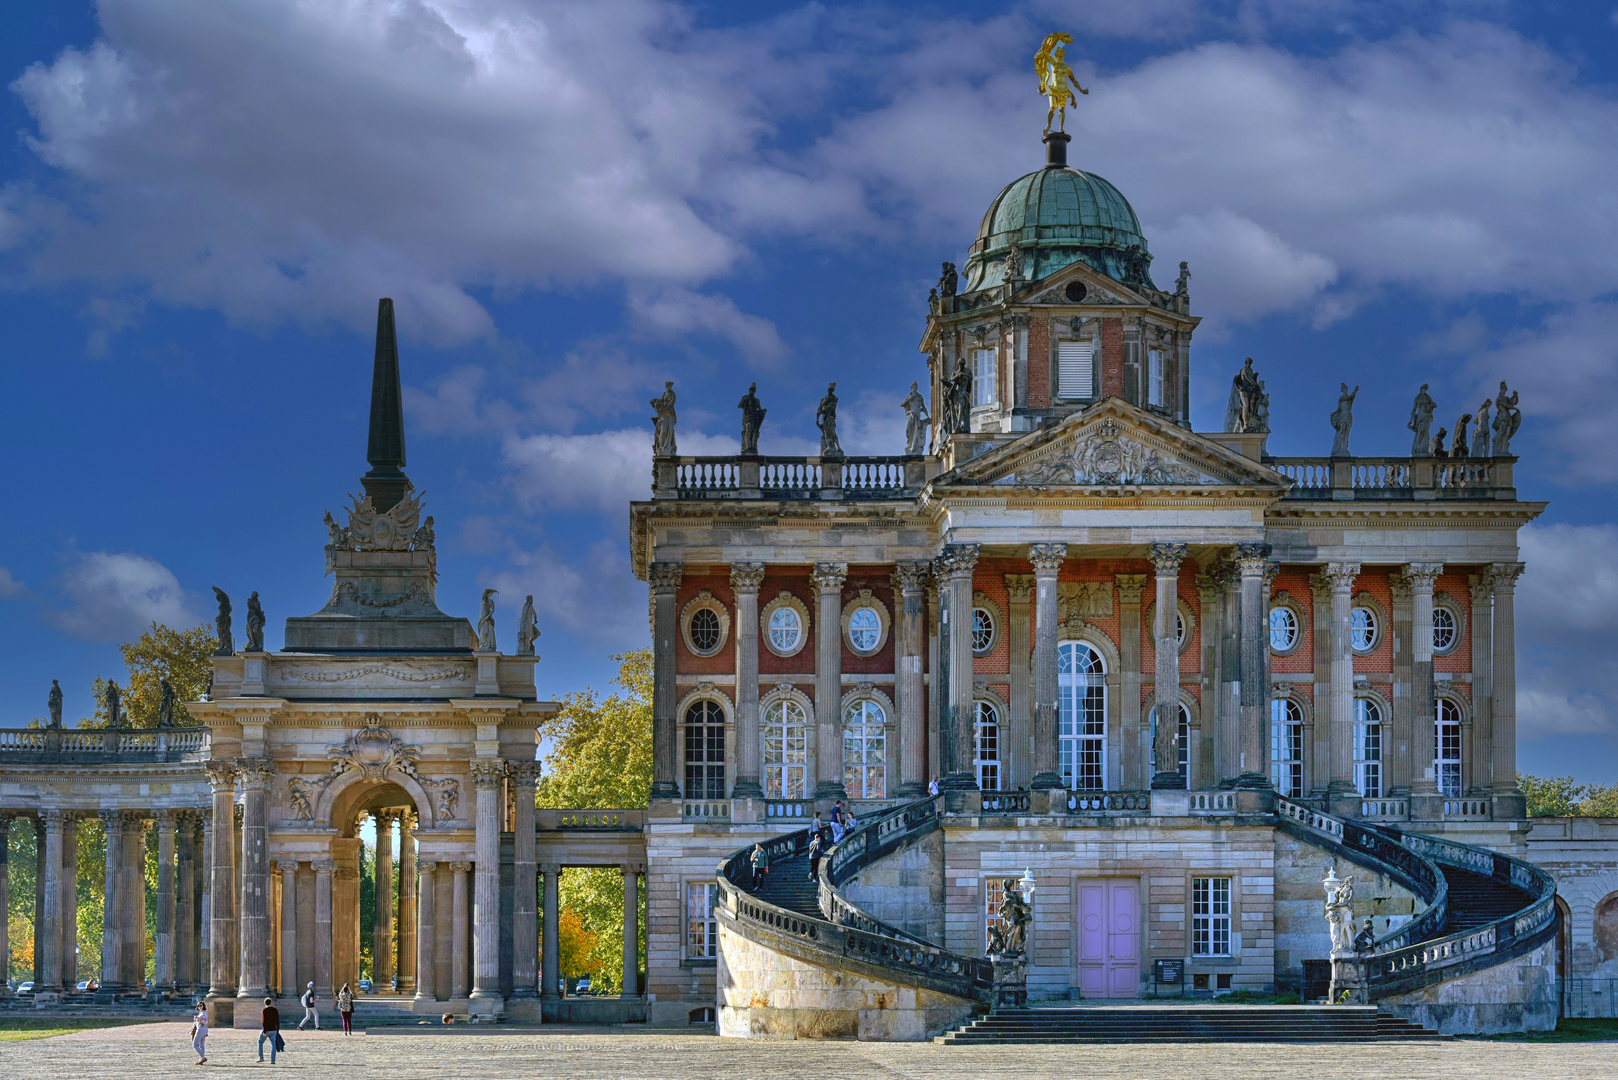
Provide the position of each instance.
(161, 1050)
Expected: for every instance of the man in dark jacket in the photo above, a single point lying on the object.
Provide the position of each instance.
(817, 842)
(271, 1029)
(761, 866)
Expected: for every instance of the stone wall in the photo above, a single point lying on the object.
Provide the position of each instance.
(764, 994)
(1516, 996)
(906, 889)
(1582, 855)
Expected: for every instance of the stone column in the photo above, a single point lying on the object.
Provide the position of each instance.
(290, 986)
(112, 937)
(745, 578)
(1481, 626)
(1340, 693)
(255, 918)
(325, 886)
(382, 927)
(1047, 560)
(551, 952)
(909, 579)
(50, 977)
(1017, 735)
(406, 948)
(938, 675)
(70, 899)
(828, 582)
(1398, 753)
(955, 740)
(525, 883)
(1229, 710)
(134, 907)
(426, 930)
(1423, 706)
(630, 987)
(1166, 558)
(164, 943)
(204, 914)
(665, 584)
(5, 903)
(1509, 802)
(1130, 769)
(460, 915)
(1252, 560)
(1211, 610)
(38, 970)
(185, 900)
(222, 976)
(489, 775)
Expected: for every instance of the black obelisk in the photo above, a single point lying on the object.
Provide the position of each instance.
(386, 483)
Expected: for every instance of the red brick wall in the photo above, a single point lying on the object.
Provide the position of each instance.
(1112, 358)
(724, 661)
(1039, 363)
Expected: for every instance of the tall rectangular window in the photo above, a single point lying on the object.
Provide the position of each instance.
(1075, 369)
(1368, 748)
(1447, 749)
(1286, 747)
(1210, 916)
(1156, 387)
(994, 891)
(704, 751)
(702, 929)
(983, 390)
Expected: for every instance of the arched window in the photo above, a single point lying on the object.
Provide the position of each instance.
(705, 751)
(1447, 748)
(1286, 747)
(1368, 748)
(986, 745)
(865, 750)
(785, 750)
(1182, 741)
(1081, 677)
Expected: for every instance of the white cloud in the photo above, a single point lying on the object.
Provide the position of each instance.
(1567, 630)
(603, 471)
(598, 600)
(1254, 270)
(678, 313)
(111, 595)
(10, 586)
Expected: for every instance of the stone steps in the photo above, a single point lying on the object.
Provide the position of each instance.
(1475, 900)
(1178, 1023)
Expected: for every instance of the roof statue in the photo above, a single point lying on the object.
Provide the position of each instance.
(1054, 76)
(663, 423)
(752, 419)
(1480, 441)
(1421, 422)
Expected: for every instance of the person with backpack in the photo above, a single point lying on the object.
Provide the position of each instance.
(345, 1009)
(269, 1028)
(308, 1003)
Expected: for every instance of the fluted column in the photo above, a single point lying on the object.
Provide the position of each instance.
(70, 899)
(745, 579)
(406, 947)
(1340, 578)
(1047, 561)
(909, 580)
(1252, 743)
(222, 977)
(50, 979)
(1130, 770)
(325, 889)
(1166, 559)
(1423, 706)
(134, 906)
(524, 883)
(955, 741)
(38, 970)
(828, 581)
(426, 929)
(460, 916)
(489, 776)
(5, 901)
(551, 952)
(185, 900)
(290, 987)
(255, 917)
(631, 932)
(665, 585)
(1509, 803)
(164, 942)
(112, 937)
(382, 924)
(1482, 639)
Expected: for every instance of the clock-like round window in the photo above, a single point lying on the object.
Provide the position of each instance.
(1283, 629)
(1446, 630)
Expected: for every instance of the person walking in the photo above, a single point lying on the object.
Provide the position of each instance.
(269, 1028)
(761, 866)
(816, 844)
(837, 813)
(308, 1003)
(932, 785)
(199, 1033)
(345, 1009)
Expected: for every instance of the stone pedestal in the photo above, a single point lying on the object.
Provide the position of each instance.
(1010, 981)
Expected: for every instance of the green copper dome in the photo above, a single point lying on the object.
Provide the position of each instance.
(1059, 216)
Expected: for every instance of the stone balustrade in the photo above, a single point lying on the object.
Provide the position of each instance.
(760, 477)
(1377, 479)
(92, 746)
(546, 820)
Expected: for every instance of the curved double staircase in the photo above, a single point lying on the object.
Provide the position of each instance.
(798, 958)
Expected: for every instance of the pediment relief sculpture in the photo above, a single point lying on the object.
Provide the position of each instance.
(1105, 455)
(373, 751)
(1077, 601)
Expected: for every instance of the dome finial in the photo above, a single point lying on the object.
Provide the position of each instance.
(1054, 76)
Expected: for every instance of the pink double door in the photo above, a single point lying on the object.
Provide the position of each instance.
(1109, 937)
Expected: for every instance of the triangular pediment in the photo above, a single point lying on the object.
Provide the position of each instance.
(1099, 289)
(1114, 444)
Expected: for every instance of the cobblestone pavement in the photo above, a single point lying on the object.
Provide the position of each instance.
(163, 1050)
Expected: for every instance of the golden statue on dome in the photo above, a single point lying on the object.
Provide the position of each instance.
(1054, 76)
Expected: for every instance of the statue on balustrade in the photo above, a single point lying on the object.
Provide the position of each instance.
(958, 400)
(915, 407)
(826, 421)
(663, 422)
(54, 703)
(165, 706)
(1438, 450)
(1182, 285)
(1507, 419)
(486, 622)
(1421, 422)
(527, 628)
(948, 281)
(221, 624)
(1365, 938)
(1340, 912)
(1480, 439)
(1342, 420)
(1015, 919)
(1458, 447)
(111, 699)
(752, 419)
(255, 625)
(1248, 410)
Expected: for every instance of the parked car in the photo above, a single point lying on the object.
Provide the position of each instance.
(583, 985)
(87, 985)
(365, 986)
(26, 988)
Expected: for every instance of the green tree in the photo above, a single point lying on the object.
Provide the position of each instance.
(184, 657)
(1562, 796)
(601, 756)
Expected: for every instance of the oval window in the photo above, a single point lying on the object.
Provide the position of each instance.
(1362, 628)
(864, 629)
(785, 629)
(705, 630)
(1283, 628)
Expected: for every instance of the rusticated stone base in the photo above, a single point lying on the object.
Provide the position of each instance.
(766, 995)
(1519, 995)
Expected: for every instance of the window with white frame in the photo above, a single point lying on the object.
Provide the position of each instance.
(1210, 916)
(994, 893)
(786, 750)
(1447, 748)
(1363, 628)
(983, 389)
(864, 629)
(1446, 629)
(1075, 369)
(702, 928)
(1283, 628)
(865, 750)
(1081, 681)
(1156, 385)
(982, 630)
(1368, 748)
(986, 745)
(705, 751)
(786, 630)
(1286, 746)
(1182, 741)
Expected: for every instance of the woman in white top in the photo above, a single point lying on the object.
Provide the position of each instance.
(199, 1034)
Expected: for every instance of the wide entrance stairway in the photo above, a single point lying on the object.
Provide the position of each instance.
(1475, 900)
(1188, 1023)
(787, 885)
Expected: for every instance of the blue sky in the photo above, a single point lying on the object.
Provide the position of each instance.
(201, 200)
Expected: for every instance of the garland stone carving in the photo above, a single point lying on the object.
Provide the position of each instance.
(1104, 456)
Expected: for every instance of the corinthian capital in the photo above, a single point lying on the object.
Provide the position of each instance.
(1340, 576)
(1166, 558)
(746, 576)
(255, 773)
(488, 772)
(665, 576)
(1252, 560)
(958, 560)
(1047, 558)
(910, 576)
(1503, 576)
(221, 775)
(1421, 575)
(829, 576)
(1019, 588)
(524, 774)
